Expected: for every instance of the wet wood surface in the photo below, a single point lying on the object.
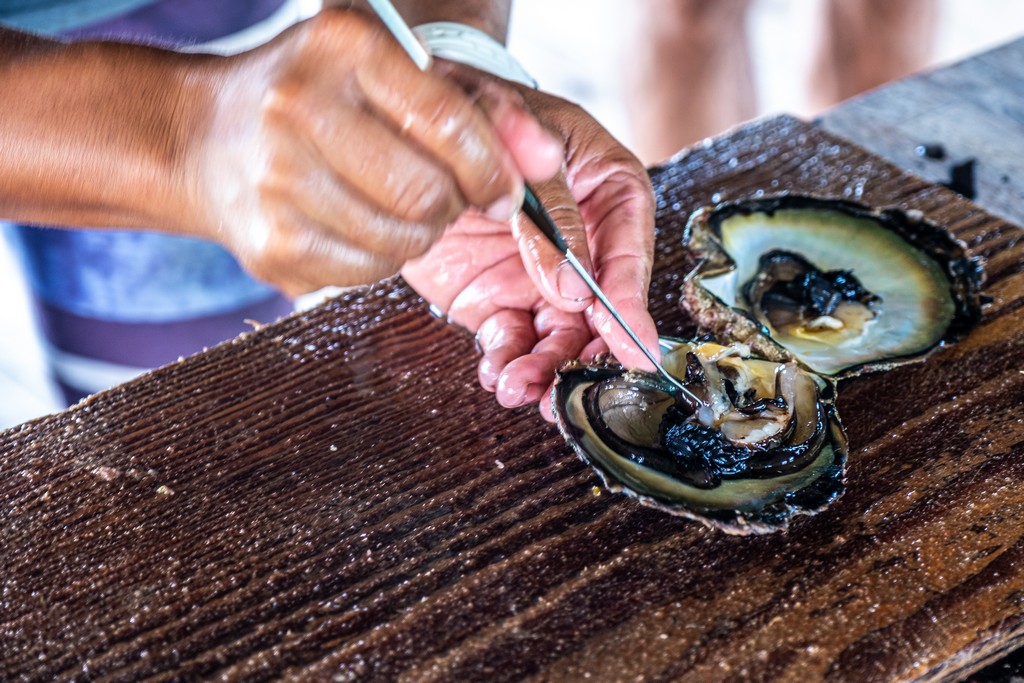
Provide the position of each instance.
(334, 497)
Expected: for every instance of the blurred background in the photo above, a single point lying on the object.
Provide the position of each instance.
(610, 57)
(592, 51)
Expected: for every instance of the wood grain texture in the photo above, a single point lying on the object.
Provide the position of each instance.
(334, 497)
(972, 110)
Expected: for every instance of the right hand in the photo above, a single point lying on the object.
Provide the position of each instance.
(328, 158)
(530, 310)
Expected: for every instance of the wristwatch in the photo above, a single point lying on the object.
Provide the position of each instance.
(472, 47)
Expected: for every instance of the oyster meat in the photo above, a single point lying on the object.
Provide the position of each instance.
(832, 283)
(765, 444)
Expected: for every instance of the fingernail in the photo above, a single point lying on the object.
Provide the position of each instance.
(535, 392)
(570, 285)
(502, 210)
(488, 373)
(509, 396)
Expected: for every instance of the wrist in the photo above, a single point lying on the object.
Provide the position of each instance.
(188, 114)
(470, 46)
(162, 110)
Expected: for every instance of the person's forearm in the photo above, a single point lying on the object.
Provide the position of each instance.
(92, 134)
(490, 16)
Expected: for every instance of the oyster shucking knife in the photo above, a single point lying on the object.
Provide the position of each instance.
(532, 207)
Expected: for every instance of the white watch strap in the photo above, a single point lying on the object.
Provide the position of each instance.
(472, 47)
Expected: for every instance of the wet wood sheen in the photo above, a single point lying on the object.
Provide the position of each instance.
(333, 496)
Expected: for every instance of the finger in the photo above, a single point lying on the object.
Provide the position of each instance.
(537, 153)
(595, 348)
(553, 275)
(522, 382)
(623, 240)
(624, 282)
(303, 255)
(502, 338)
(525, 379)
(502, 286)
(301, 179)
(473, 245)
(441, 119)
(545, 408)
(373, 159)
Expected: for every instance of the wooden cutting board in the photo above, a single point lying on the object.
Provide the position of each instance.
(334, 497)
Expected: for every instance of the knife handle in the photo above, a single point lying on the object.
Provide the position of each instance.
(542, 219)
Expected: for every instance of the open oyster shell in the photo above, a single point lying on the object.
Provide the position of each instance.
(766, 444)
(838, 286)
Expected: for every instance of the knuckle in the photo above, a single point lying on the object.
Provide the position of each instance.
(283, 248)
(276, 258)
(429, 200)
(277, 185)
(274, 185)
(565, 215)
(416, 240)
(449, 114)
(366, 266)
(577, 110)
(284, 103)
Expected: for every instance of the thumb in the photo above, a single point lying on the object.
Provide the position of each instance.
(554, 276)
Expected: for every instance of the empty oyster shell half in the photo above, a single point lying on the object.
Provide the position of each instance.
(765, 445)
(838, 286)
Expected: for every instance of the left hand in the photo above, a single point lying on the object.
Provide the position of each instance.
(508, 284)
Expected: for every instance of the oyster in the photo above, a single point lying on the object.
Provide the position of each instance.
(804, 291)
(766, 443)
(832, 283)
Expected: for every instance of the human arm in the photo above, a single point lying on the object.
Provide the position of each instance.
(333, 174)
(239, 150)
